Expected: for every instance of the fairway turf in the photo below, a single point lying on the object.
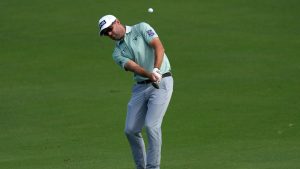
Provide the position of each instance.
(236, 98)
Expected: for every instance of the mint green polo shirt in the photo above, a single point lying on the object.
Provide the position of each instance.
(136, 47)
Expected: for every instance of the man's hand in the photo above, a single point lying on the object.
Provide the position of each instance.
(157, 75)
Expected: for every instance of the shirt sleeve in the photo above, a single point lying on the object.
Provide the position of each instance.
(147, 32)
(119, 59)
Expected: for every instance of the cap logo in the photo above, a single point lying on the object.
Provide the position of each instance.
(102, 23)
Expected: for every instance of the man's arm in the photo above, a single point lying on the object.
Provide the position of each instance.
(159, 52)
(134, 67)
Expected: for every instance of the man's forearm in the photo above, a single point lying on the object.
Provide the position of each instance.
(159, 55)
(134, 67)
(159, 52)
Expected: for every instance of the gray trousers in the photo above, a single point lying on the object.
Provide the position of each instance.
(147, 108)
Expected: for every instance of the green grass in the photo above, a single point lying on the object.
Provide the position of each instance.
(236, 99)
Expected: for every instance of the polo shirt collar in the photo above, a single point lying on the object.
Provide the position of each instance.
(128, 29)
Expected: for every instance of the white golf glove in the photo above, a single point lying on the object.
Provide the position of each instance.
(157, 74)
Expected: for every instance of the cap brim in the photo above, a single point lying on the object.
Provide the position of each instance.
(101, 33)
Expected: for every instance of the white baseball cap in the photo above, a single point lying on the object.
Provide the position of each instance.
(105, 22)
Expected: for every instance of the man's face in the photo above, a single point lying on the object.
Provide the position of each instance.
(115, 31)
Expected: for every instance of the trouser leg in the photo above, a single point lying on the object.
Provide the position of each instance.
(157, 106)
(135, 121)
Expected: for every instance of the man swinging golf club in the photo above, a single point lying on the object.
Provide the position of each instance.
(138, 49)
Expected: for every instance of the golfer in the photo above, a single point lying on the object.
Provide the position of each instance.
(139, 50)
